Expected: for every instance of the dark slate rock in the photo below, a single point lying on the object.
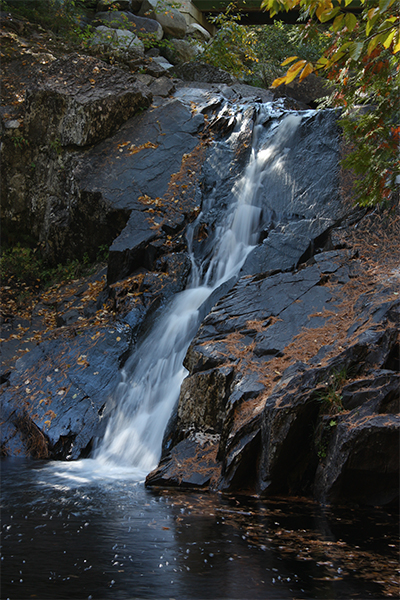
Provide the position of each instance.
(140, 158)
(58, 391)
(382, 388)
(190, 464)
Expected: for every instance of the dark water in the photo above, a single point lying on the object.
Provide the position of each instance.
(66, 537)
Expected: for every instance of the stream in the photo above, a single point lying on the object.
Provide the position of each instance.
(66, 535)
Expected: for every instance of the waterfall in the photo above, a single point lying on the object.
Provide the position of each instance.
(151, 380)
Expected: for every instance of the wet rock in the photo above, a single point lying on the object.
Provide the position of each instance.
(134, 176)
(191, 464)
(307, 429)
(54, 400)
(81, 100)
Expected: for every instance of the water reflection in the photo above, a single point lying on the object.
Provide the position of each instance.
(115, 539)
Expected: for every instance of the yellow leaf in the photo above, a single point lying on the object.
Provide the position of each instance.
(288, 60)
(306, 71)
(278, 82)
(389, 39)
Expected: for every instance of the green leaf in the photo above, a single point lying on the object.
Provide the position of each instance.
(355, 50)
(351, 21)
(337, 22)
(384, 5)
(370, 25)
(329, 14)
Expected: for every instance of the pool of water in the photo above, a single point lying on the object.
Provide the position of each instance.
(69, 536)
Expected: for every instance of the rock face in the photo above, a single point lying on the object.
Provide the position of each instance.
(300, 371)
(81, 101)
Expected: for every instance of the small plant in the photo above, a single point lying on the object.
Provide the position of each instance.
(19, 141)
(332, 398)
(323, 436)
(56, 145)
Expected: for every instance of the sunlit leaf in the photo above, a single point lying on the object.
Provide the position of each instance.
(372, 44)
(397, 44)
(370, 25)
(288, 60)
(278, 81)
(306, 71)
(329, 14)
(389, 39)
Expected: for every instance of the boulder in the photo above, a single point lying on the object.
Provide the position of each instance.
(181, 51)
(308, 91)
(133, 23)
(80, 100)
(171, 20)
(198, 32)
(162, 86)
(119, 41)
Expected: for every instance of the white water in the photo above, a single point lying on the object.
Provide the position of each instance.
(151, 381)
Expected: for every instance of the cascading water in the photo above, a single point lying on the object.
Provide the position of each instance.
(151, 381)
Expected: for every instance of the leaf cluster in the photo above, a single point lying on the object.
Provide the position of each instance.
(362, 62)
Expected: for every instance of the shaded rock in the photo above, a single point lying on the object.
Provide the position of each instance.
(162, 86)
(202, 400)
(124, 5)
(308, 91)
(191, 464)
(180, 51)
(162, 62)
(132, 22)
(362, 463)
(67, 107)
(58, 391)
(198, 71)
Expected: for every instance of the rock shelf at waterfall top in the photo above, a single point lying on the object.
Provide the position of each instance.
(293, 374)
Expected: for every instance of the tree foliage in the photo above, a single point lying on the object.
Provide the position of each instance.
(233, 48)
(363, 63)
